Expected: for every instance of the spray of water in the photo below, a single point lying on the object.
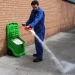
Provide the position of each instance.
(67, 67)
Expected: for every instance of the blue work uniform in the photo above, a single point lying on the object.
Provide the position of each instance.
(36, 21)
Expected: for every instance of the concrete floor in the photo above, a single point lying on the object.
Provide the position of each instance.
(61, 44)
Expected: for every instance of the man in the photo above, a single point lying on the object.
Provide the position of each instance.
(36, 21)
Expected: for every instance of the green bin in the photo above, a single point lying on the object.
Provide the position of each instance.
(15, 44)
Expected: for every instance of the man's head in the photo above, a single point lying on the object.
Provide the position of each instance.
(35, 5)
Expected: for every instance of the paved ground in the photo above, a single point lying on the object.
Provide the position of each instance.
(61, 44)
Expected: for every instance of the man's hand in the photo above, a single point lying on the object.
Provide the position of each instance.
(28, 28)
(23, 24)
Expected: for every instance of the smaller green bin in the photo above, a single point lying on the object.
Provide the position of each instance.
(15, 44)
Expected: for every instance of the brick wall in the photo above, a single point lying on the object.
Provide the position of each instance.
(60, 15)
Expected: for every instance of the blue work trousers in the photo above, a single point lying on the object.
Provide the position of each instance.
(38, 45)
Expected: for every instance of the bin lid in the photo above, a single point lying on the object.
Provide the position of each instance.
(12, 30)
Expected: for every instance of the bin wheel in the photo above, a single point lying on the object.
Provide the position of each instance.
(9, 52)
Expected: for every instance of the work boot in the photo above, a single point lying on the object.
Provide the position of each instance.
(35, 55)
(37, 60)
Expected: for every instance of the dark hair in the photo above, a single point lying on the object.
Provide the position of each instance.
(34, 2)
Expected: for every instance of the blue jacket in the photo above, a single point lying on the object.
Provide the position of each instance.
(36, 20)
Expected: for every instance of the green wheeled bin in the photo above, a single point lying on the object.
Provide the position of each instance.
(15, 44)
